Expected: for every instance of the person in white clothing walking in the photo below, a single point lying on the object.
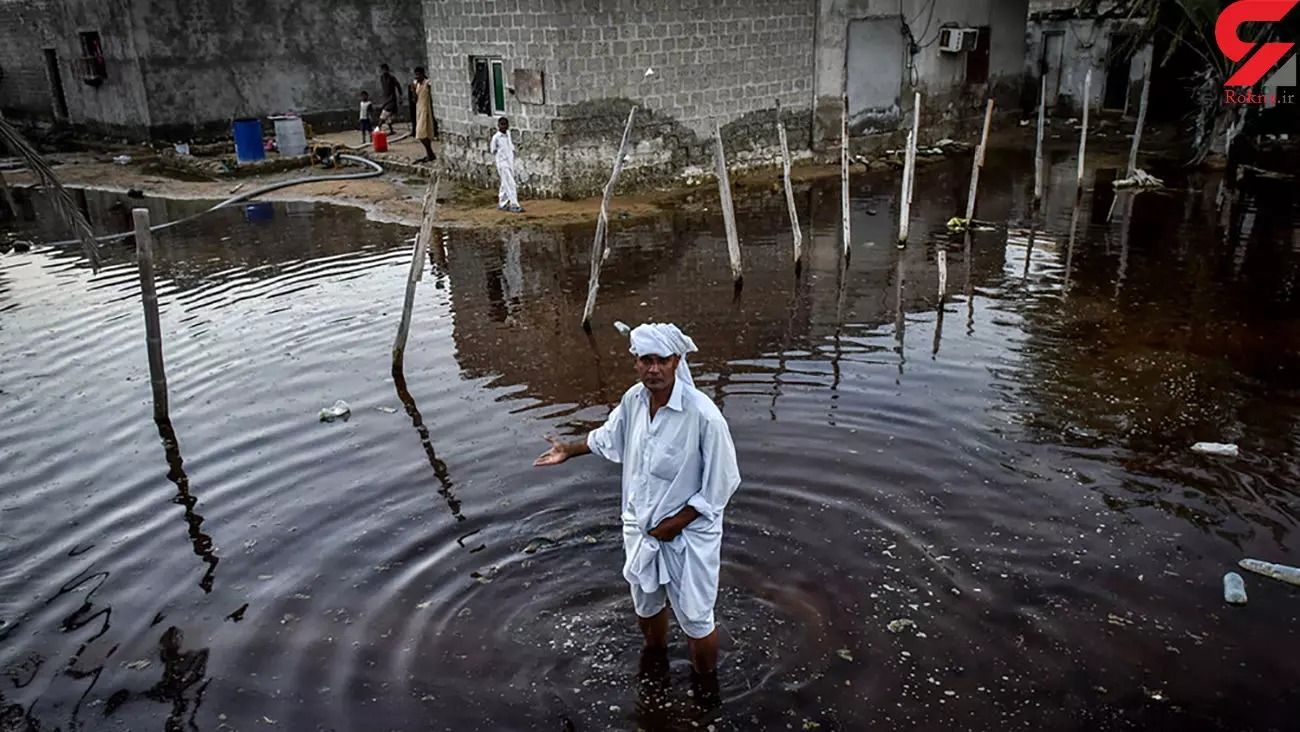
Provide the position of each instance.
(503, 149)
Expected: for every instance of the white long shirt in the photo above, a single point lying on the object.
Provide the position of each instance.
(684, 456)
(503, 148)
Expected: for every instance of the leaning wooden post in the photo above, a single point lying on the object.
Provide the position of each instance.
(844, 172)
(418, 256)
(1083, 134)
(149, 296)
(789, 191)
(1039, 173)
(728, 209)
(909, 170)
(599, 248)
(1141, 122)
(977, 164)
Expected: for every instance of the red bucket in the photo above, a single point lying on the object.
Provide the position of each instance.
(380, 140)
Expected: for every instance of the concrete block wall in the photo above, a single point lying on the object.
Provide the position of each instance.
(116, 107)
(1087, 44)
(726, 62)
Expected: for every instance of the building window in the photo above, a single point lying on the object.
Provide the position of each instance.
(93, 68)
(977, 58)
(488, 86)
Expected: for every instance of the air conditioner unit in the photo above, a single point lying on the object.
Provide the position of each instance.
(950, 40)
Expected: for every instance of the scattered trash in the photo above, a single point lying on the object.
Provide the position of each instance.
(1140, 179)
(649, 71)
(844, 654)
(1217, 449)
(1024, 123)
(340, 410)
(137, 665)
(899, 625)
(1280, 572)
(1234, 589)
(387, 410)
(182, 148)
(122, 159)
(622, 327)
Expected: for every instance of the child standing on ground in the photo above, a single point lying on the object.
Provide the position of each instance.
(503, 148)
(366, 123)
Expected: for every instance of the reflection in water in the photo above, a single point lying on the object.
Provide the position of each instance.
(200, 541)
(1027, 501)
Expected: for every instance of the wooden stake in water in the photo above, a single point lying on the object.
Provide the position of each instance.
(977, 164)
(943, 274)
(789, 192)
(728, 209)
(844, 172)
(418, 255)
(1141, 122)
(149, 296)
(599, 247)
(909, 170)
(1039, 173)
(1083, 134)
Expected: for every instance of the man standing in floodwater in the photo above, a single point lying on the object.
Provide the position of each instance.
(679, 471)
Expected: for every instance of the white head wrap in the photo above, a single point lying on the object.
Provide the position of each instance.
(664, 339)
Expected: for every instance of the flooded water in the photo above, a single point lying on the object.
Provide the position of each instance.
(1006, 467)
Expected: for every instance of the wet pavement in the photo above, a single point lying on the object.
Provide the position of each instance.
(1006, 467)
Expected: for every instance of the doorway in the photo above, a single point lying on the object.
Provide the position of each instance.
(1119, 64)
(1049, 65)
(874, 64)
(56, 83)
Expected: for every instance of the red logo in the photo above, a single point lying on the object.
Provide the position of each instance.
(1267, 55)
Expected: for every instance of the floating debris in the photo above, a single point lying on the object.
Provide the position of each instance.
(138, 665)
(340, 410)
(899, 625)
(845, 654)
(1217, 449)
(1139, 179)
(1234, 589)
(1280, 572)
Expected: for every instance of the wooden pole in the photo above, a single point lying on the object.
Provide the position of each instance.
(1040, 174)
(1083, 134)
(909, 170)
(149, 296)
(978, 163)
(599, 247)
(943, 274)
(789, 192)
(416, 273)
(1141, 122)
(844, 172)
(728, 209)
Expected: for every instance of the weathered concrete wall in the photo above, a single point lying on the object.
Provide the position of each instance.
(208, 62)
(723, 62)
(949, 103)
(118, 106)
(177, 68)
(1087, 44)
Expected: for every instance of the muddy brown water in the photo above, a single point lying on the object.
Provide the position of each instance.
(1007, 468)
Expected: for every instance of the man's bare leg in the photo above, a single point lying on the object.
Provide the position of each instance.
(704, 653)
(655, 630)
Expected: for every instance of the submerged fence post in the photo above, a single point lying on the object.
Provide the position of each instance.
(978, 163)
(844, 171)
(789, 190)
(1141, 122)
(599, 249)
(1083, 135)
(943, 274)
(427, 216)
(909, 170)
(728, 208)
(149, 295)
(1040, 174)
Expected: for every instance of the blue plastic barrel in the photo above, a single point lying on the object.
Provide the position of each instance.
(248, 140)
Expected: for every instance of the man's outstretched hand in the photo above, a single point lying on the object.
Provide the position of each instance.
(557, 454)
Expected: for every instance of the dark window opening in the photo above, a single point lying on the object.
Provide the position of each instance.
(488, 85)
(977, 58)
(94, 69)
(1119, 63)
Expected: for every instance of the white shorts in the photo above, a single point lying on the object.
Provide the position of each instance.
(649, 604)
